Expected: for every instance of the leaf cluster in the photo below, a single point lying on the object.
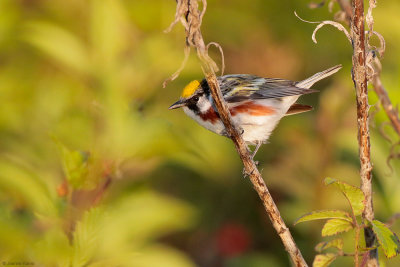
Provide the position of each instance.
(339, 221)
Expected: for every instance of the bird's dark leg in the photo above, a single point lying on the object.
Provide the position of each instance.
(256, 149)
(259, 143)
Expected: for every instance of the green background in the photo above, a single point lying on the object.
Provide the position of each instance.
(96, 171)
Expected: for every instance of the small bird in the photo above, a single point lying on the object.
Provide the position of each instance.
(256, 104)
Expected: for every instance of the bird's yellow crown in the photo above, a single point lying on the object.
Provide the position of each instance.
(190, 88)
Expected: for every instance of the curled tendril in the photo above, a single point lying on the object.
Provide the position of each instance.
(337, 25)
(186, 51)
(222, 55)
(369, 18)
(187, 12)
(381, 49)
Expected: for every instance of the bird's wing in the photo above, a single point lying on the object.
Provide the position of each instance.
(238, 88)
(298, 108)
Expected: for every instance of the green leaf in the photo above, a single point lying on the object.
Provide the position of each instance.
(353, 194)
(335, 243)
(75, 165)
(336, 226)
(324, 214)
(323, 260)
(86, 237)
(386, 238)
(21, 182)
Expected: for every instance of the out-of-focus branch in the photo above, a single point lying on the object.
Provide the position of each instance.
(346, 7)
(379, 89)
(393, 219)
(359, 73)
(391, 112)
(190, 16)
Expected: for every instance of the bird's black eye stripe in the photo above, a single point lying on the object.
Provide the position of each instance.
(192, 104)
(194, 108)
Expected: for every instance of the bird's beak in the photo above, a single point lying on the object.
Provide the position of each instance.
(178, 104)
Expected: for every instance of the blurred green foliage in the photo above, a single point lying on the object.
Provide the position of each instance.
(339, 221)
(95, 171)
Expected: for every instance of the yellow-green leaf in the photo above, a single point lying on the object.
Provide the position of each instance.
(336, 226)
(324, 214)
(353, 194)
(75, 165)
(86, 237)
(27, 187)
(323, 260)
(386, 238)
(335, 243)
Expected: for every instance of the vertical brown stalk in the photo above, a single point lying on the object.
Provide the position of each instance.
(391, 112)
(359, 73)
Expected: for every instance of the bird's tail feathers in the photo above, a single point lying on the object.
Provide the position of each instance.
(307, 83)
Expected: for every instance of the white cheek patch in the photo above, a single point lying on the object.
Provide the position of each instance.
(203, 104)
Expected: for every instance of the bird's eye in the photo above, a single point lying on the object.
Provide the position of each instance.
(196, 98)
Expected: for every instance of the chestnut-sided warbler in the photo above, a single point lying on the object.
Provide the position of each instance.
(256, 104)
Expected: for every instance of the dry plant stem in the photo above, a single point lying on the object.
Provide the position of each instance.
(357, 238)
(100, 193)
(379, 89)
(360, 82)
(194, 39)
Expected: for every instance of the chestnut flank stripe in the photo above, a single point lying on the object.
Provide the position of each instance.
(252, 109)
(248, 107)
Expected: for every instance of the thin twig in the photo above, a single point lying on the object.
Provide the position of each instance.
(100, 193)
(359, 74)
(387, 105)
(189, 9)
(364, 259)
(357, 238)
(392, 155)
(322, 23)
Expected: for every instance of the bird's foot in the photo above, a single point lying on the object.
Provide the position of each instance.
(246, 173)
